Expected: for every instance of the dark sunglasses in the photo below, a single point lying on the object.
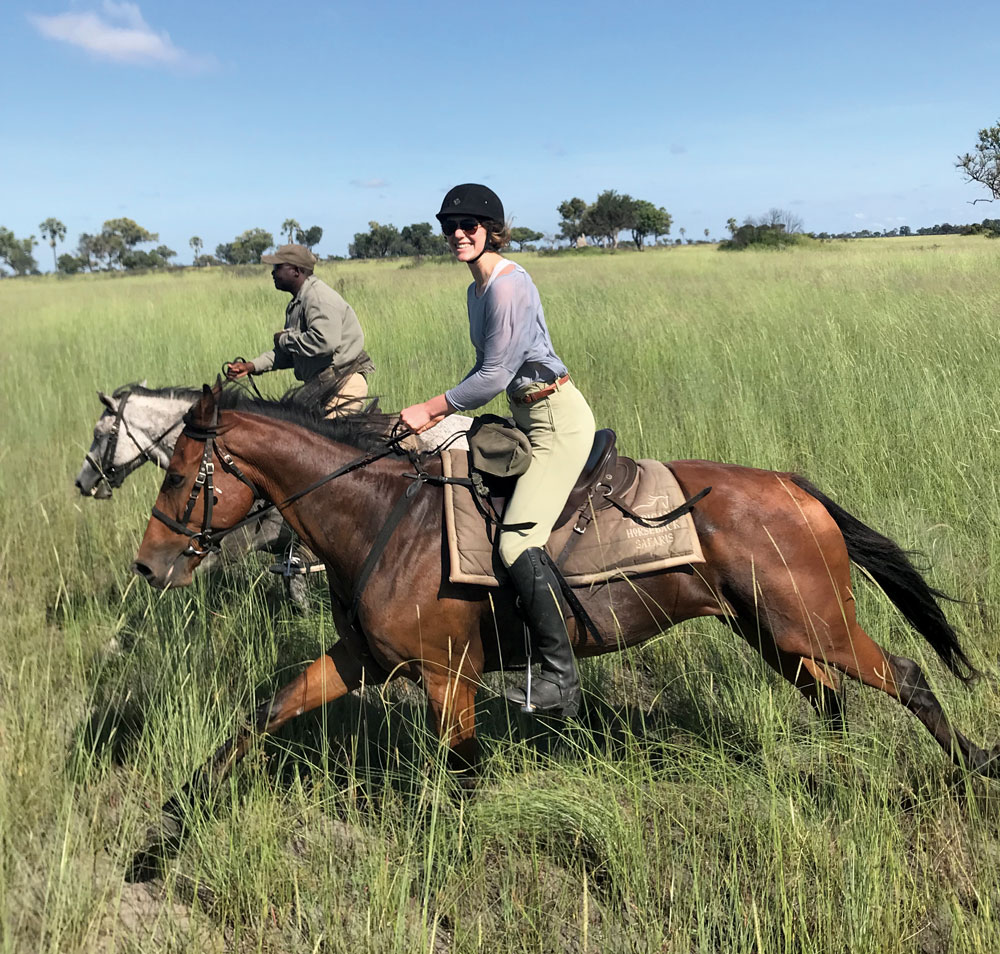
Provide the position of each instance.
(469, 225)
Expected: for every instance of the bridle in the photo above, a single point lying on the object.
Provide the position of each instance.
(112, 474)
(208, 539)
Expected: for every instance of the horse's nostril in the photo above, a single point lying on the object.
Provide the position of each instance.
(140, 569)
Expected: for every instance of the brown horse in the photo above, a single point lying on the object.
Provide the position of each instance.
(777, 571)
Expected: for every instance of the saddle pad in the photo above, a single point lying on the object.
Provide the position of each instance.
(614, 545)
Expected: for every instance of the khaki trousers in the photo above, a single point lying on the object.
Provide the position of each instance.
(350, 399)
(560, 428)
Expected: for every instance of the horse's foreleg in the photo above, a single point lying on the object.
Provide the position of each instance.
(452, 698)
(333, 675)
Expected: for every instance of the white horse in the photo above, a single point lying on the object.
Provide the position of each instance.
(142, 424)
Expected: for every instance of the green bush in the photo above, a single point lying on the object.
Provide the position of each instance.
(763, 236)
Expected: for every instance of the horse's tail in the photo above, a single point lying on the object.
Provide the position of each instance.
(890, 567)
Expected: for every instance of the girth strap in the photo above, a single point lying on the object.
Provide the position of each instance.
(381, 541)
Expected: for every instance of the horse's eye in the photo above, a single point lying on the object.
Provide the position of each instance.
(174, 480)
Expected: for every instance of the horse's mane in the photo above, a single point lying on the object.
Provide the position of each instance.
(177, 392)
(365, 429)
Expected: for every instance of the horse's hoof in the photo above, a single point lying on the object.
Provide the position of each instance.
(144, 866)
(162, 843)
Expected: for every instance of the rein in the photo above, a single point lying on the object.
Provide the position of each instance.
(207, 538)
(112, 474)
(249, 377)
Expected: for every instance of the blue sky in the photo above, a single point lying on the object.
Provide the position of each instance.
(210, 118)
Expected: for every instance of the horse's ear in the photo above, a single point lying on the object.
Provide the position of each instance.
(107, 402)
(217, 388)
(204, 411)
(142, 383)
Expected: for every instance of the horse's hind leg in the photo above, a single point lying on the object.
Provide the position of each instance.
(911, 688)
(817, 682)
(846, 646)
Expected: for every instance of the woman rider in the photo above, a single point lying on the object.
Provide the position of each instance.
(514, 353)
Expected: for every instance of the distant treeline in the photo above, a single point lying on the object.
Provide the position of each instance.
(601, 223)
(990, 227)
(116, 247)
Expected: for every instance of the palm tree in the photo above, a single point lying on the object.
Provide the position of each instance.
(53, 230)
(196, 245)
(291, 227)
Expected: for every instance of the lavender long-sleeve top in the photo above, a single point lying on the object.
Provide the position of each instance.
(513, 349)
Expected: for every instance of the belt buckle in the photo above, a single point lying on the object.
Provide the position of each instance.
(544, 391)
(526, 397)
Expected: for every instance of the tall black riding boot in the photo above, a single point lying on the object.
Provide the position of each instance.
(556, 690)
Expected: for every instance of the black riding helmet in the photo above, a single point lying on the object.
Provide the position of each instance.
(470, 198)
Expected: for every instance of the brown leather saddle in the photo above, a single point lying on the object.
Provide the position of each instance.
(604, 477)
(604, 482)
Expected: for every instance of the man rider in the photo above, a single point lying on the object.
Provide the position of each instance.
(321, 337)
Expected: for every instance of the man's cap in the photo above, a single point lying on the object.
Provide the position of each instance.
(471, 198)
(291, 255)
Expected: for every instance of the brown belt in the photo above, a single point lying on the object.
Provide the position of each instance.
(544, 392)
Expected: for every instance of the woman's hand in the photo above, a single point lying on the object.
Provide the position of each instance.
(419, 417)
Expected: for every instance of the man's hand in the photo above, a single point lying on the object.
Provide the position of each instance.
(238, 369)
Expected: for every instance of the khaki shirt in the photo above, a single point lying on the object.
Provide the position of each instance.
(321, 331)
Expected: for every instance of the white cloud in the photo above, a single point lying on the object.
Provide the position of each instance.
(117, 33)
(369, 183)
(859, 215)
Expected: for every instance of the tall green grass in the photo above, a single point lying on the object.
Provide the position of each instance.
(701, 808)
